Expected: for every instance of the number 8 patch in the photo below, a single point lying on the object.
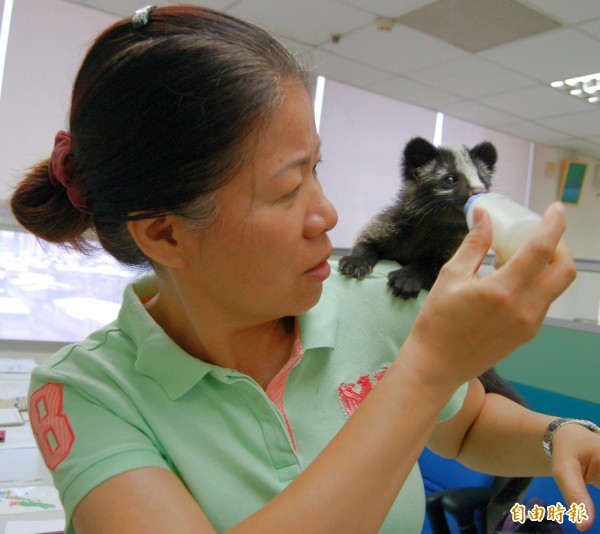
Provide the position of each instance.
(50, 425)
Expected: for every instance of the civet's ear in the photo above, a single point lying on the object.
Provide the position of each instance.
(417, 152)
(485, 152)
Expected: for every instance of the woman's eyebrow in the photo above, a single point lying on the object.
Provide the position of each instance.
(299, 162)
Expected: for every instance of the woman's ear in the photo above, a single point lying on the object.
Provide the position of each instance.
(158, 239)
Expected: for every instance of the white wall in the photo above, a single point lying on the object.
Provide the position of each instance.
(46, 44)
(363, 137)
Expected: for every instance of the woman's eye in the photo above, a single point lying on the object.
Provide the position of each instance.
(292, 194)
(314, 169)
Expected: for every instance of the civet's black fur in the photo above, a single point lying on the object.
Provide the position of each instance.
(423, 228)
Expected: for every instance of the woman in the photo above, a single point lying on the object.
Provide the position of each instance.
(193, 148)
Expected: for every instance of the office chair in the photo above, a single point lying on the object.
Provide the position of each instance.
(458, 498)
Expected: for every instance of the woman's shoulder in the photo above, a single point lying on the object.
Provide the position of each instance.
(374, 287)
(93, 355)
(364, 303)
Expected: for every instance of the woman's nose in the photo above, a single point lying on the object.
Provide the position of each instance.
(321, 218)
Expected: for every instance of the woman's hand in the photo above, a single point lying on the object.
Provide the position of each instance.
(575, 463)
(467, 324)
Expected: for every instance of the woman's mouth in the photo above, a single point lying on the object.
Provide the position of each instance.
(320, 271)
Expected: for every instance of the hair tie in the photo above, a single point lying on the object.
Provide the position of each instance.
(61, 171)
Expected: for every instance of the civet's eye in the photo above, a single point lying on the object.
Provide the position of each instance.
(450, 179)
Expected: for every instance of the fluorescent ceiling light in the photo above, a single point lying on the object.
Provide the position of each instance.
(439, 128)
(318, 104)
(583, 87)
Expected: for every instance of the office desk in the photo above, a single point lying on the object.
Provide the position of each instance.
(21, 466)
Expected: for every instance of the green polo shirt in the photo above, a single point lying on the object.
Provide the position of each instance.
(129, 397)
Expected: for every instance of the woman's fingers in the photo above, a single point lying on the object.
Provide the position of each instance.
(543, 249)
(575, 463)
(470, 255)
(511, 302)
(570, 480)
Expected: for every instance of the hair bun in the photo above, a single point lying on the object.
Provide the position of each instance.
(47, 211)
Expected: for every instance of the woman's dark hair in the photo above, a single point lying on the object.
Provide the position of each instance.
(159, 117)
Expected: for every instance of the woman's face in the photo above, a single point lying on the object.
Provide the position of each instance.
(264, 256)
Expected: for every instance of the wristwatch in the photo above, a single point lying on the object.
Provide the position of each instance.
(556, 424)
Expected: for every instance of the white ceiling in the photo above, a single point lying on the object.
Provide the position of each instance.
(505, 87)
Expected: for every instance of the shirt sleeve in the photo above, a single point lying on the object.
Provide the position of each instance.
(455, 403)
(83, 442)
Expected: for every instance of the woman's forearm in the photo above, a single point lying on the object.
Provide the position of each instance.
(506, 440)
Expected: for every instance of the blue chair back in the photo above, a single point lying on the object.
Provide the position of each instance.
(441, 473)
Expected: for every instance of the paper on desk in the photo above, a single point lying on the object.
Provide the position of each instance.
(10, 417)
(13, 389)
(18, 437)
(35, 527)
(29, 499)
(16, 365)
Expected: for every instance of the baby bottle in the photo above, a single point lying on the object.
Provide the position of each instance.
(512, 223)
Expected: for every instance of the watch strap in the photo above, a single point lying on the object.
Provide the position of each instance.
(556, 424)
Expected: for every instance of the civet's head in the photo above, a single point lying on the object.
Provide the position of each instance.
(446, 175)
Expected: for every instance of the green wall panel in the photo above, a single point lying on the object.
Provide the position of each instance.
(560, 360)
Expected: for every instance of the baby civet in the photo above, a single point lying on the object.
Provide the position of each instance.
(424, 227)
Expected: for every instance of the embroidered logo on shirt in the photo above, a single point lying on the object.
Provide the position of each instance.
(50, 425)
(353, 394)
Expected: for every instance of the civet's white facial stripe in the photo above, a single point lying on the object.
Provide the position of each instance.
(465, 165)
